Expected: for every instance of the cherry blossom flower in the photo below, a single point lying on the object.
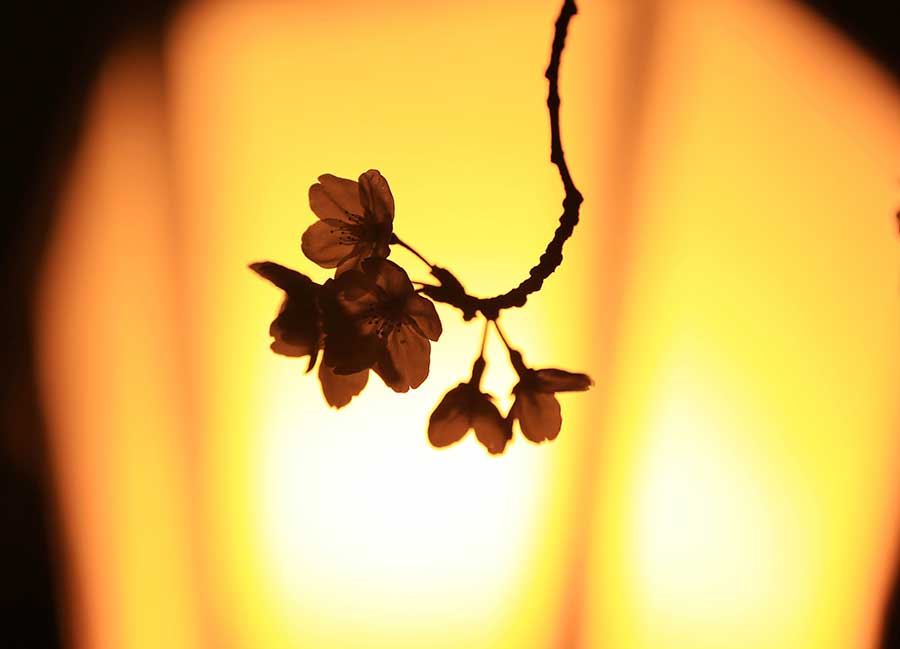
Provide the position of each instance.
(535, 405)
(375, 319)
(298, 330)
(465, 408)
(297, 327)
(356, 221)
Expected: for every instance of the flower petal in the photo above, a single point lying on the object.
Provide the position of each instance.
(339, 389)
(297, 327)
(491, 429)
(384, 367)
(554, 380)
(538, 413)
(321, 243)
(351, 284)
(422, 311)
(346, 352)
(450, 420)
(350, 297)
(353, 260)
(333, 198)
(376, 198)
(286, 279)
(295, 330)
(410, 353)
(388, 276)
(284, 348)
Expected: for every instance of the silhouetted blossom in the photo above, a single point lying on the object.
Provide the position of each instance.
(356, 221)
(297, 327)
(535, 405)
(369, 317)
(298, 330)
(466, 407)
(375, 319)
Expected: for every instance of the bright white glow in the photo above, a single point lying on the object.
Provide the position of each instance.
(357, 504)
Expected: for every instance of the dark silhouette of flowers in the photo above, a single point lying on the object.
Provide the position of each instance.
(535, 405)
(375, 319)
(465, 408)
(297, 328)
(356, 221)
(370, 317)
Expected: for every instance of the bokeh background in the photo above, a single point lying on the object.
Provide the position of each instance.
(730, 481)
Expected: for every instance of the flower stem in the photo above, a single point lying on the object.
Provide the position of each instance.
(502, 337)
(484, 337)
(403, 244)
(515, 356)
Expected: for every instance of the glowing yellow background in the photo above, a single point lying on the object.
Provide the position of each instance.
(732, 288)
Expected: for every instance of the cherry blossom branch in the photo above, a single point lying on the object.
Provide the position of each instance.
(451, 290)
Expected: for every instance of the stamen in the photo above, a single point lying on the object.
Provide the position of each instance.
(346, 234)
(383, 325)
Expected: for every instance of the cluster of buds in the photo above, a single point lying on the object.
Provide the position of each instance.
(535, 407)
(370, 317)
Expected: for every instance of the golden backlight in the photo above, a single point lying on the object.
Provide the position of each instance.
(732, 289)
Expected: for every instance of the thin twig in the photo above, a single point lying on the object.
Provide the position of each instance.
(451, 290)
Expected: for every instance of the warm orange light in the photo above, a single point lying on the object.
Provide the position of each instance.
(753, 435)
(322, 517)
(732, 288)
(110, 375)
